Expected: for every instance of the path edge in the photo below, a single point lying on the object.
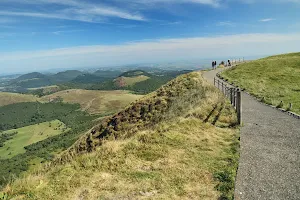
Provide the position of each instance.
(292, 114)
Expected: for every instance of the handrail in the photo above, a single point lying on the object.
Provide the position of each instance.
(233, 94)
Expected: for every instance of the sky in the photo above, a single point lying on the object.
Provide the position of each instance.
(38, 35)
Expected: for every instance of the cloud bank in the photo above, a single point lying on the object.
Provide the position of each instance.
(153, 51)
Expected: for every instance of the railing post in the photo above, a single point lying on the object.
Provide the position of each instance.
(239, 106)
(222, 87)
(218, 84)
(231, 95)
(228, 92)
(290, 107)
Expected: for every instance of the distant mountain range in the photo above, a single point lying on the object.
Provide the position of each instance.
(37, 80)
(138, 81)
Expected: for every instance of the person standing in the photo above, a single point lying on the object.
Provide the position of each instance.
(213, 65)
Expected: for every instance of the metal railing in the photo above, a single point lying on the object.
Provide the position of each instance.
(233, 94)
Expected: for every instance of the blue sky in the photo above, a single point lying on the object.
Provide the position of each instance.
(43, 34)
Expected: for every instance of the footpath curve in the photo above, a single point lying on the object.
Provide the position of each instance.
(269, 166)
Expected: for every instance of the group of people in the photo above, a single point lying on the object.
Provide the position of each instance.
(229, 63)
(214, 64)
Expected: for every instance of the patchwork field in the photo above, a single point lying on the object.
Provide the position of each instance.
(96, 102)
(25, 136)
(12, 98)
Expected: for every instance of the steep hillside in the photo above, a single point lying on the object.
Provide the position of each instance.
(178, 142)
(95, 102)
(276, 79)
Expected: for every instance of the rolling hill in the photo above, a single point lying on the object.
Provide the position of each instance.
(33, 75)
(272, 79)
(33, 79)
(88, 78)
(12, 98)
(66, 79)
(36, 140)
(138, 81)
(36, 80)
(107, 73)
(178, 142)
(65, 76)
(95, 102)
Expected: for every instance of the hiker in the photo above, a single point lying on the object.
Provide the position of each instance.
(213, 65)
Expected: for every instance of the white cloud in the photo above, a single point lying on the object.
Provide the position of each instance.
(266, 20)
(214, 3)
(73, 10)
(67, 31)
(226, 23)
(152, 51)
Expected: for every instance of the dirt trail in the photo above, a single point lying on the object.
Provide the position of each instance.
(269, 166)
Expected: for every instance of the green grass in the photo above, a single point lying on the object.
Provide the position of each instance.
(129, 81)
(29, 135)
(276, 78)
(179, 142)
(95, 102)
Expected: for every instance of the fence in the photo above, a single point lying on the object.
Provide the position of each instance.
(234, 62)
(233, 94)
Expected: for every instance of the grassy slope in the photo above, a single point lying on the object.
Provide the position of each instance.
(96, 102)
(133, 80)
(175, 143)
(12, 98)
(45, 87)
(29, 135)
(276, 78)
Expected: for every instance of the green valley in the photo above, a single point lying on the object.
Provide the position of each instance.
(28, 135)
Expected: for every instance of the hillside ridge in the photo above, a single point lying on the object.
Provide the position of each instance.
(151, 109)
(178, 142)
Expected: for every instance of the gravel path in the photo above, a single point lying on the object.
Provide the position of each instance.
(269, 166)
